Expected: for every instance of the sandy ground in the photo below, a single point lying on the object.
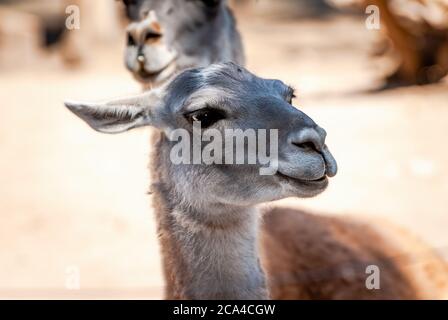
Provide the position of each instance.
(73, 202)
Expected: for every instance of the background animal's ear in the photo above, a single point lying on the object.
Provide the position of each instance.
(132, 8)
(118, 115)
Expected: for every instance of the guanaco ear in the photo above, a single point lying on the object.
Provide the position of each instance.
(119, 115)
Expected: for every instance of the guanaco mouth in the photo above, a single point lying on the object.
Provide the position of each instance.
(284, 176)
(146, 75)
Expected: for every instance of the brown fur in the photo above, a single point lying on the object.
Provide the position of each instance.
(419, 45)
(308, 256)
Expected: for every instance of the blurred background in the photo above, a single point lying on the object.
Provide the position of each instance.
(75, 217)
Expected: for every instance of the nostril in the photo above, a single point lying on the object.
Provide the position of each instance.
(306, 145)
(150, 35)
(307, 139)
(130, 40)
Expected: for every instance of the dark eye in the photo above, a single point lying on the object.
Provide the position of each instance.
(129, 2)
(207, 116)
(131, 41)
(210, 3)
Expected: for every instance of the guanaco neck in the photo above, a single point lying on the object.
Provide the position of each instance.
(202, 257)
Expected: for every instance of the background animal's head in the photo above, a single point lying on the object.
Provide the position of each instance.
(170, 35)
(222, 97)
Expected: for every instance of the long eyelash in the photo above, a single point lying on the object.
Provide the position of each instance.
(291, 92)
(213, 105)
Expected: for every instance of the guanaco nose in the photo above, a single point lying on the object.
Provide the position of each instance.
(313, 138)
(309, 138)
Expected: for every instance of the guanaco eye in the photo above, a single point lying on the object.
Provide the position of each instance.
(207, 116)
(131, 41)
(210, 3)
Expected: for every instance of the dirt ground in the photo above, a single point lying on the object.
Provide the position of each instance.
(73, 202)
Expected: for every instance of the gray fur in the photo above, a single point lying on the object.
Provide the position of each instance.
(208, 216)
(192, 34)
